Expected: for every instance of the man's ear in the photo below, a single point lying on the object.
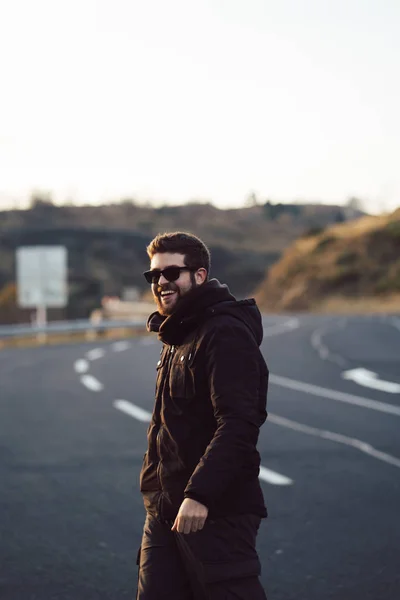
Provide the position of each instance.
(200, 276)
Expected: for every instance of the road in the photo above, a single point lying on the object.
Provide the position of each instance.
(73, 433)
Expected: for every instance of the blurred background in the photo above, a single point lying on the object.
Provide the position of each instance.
(269, 129)
(250, 125)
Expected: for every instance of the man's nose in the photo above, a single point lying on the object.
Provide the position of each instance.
(162, 280)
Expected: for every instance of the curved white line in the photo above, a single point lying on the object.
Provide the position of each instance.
(322, 349)
(336, 437)
(395, 322)
(319, 391)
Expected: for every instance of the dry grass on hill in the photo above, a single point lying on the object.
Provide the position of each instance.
(351, 266)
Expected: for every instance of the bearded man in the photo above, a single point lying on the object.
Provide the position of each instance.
(199, 478)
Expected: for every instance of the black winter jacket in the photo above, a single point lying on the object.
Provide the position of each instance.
(210, 402)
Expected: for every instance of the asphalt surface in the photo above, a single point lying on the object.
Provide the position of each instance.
(71, 514)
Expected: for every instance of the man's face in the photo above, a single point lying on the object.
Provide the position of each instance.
(166, 301)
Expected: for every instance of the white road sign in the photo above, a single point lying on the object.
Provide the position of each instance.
(42, 276)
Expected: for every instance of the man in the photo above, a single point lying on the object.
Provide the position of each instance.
(199, 478)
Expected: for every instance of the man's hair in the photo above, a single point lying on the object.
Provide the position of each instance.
(196, 254)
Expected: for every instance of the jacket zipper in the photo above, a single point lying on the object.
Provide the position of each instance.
(171, 352)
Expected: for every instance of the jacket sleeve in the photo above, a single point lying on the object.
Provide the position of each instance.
(233, 371)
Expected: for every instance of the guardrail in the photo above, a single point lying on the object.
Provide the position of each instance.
(9, 332)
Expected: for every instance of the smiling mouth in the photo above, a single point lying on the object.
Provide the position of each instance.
(166, 295)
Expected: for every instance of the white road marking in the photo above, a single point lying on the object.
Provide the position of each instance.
(92, 383)
(316, 390)
(322, 349)
(132, 410)
(81, 365)
(335, 437)
(395, 322)
(148, 341)
(143, 415)
(317, 344)
(273, 477)
(281, 327)
(95, 353)
(370, 379)
(120, 346)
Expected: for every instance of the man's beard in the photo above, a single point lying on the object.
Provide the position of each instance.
(166, 311)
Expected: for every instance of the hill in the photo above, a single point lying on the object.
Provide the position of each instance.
(107, 244)
(351, 265)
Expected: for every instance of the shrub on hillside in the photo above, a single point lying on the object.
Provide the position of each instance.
(346, 258)
(393, 229)
(326, 241)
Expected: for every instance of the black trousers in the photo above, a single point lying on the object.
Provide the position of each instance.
(219, 562)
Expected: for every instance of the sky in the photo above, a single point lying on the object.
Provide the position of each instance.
(210, 100)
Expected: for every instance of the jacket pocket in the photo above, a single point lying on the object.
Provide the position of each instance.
(181, 377)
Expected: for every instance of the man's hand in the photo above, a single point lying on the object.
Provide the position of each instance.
(191, 517)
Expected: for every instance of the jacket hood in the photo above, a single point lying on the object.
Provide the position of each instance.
(208, 300)
(246, 311)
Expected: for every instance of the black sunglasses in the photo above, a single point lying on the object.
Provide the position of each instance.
(170, 274)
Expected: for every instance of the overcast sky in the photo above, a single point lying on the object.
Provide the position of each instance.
(174, 100)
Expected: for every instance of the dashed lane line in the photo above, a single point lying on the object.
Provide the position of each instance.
(148, 341)
(120, 346)
(95, 354)
(81, 365)
(132, 410)
(278, 328)
(143, 415)
(92, 383)
(274, 477)
(336, 437)
(316, 390)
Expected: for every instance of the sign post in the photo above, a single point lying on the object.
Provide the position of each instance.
(42, 280)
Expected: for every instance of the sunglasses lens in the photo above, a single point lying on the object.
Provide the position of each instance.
(152, 276)
(172, 273)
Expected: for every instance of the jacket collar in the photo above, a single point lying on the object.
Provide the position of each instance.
(192, 310)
